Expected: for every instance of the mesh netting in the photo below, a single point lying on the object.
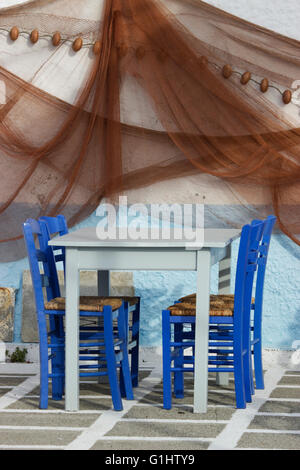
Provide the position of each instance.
(154, 102)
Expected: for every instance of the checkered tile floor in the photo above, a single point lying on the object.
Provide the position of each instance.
(272, 421)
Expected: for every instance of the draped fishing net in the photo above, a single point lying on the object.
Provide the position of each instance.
(172, 89)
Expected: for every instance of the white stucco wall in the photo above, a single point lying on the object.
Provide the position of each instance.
(282, 16)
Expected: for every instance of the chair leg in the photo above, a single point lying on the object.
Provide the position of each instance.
(251, 373)
(247, 360)
(239, 388)
(135, 350)
(120, 327)
(167, 381)
(258, 366)
(239, 380)
(178, 362)
(58, 383)
(125, 375)
(44, 370)
(247, 378)
(126, 378)
(58, 367)
(111, 359)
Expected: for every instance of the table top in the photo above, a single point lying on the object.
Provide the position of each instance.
(87, 238)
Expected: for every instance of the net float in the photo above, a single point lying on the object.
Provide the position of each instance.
(77, 44)
(245, 78)
(34, 36)
(14, 33)
(287, 96)
(227, 71)
(264, 85)
(56, 39)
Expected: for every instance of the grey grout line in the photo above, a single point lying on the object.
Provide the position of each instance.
(22, 411)
(294, 400)
(225, 392)
(180, 405)
(156, 439)
(272, 431)
(92, 397)
(30, 447)
(287, 386)
(292, 375)
(230, 436)
(222, 391)
(284, 415)
(259, 448)
(43, 428)
(174, 421)
(110, 418)
(11, 376)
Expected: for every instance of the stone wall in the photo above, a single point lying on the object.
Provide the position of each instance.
(7, 307)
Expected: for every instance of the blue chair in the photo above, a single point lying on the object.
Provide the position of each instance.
(104, 352)
(58, 226)
(229, 334)
(257, 303)
(257, 306)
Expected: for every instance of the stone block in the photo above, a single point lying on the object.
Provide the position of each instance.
(7, 307)
(121, 284)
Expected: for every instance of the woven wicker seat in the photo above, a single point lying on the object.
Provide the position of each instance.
(189, 309)
(220, 300)
(131, 300)
(86, 304)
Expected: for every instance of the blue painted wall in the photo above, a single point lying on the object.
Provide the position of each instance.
(281, 322)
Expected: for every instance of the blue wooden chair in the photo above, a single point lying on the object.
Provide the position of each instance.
(58, 226)
(100, 353)
(257, 306)
(229, 334)
(257, 302)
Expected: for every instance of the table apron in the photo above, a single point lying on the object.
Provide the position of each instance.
(133, 259)
(139, 259)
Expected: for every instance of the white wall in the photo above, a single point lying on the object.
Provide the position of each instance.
(282, 16)
(11, 3)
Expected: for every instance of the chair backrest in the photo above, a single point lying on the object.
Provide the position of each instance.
(41, 261)
(57, 226)
(246, 266)
(269, 223)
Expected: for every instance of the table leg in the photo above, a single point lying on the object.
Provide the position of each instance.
(103, 286)
(224, 288)
(201, 334)
(103, 283)
(72, 331)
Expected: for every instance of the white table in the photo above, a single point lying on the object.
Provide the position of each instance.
(84, 251)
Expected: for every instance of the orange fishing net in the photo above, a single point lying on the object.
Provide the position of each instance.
(165, 93)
